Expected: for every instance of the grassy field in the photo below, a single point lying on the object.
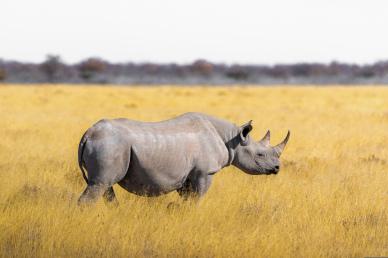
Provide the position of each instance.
(330, 198)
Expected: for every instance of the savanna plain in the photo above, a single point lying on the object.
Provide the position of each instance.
(330, 198)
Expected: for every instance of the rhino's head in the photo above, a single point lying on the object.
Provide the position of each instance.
(259, 157)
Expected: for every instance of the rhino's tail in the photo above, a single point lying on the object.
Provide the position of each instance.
(81, 148)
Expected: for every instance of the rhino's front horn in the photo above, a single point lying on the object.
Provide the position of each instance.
(266, 138)
(280, 147)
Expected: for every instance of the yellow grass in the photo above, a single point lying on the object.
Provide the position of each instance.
(329, 200)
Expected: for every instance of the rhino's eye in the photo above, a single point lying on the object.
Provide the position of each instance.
(260, 154)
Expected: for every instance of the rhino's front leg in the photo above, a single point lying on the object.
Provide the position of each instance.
(202, 184)
(195, 187)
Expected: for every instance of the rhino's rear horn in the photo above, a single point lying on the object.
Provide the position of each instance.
(266, 138)
(280, 147)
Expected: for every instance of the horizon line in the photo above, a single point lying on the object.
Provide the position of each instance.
(382, 60)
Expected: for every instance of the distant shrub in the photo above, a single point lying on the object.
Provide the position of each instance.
(90, 67)
(202, 67)
(51, 67)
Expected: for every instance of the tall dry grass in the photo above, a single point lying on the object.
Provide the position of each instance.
(329, 200)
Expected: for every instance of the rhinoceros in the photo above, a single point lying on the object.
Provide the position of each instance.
(182, 154)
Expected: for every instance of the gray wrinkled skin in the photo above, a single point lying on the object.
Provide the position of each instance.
(182, 154)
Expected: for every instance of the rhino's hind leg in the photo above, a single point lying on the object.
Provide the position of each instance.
(110, 197)
(104, 170)
(91, 194)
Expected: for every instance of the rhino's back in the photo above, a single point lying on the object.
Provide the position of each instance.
(187, 123)
(190, 132)
(184, 136)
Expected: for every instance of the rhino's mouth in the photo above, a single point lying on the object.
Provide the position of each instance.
(272, 171)
(267, 171)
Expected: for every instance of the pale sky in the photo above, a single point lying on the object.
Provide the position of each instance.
(235, 31)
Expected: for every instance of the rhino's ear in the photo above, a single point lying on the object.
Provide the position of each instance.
(244, 131)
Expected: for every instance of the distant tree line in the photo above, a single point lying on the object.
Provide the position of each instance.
(97, 70)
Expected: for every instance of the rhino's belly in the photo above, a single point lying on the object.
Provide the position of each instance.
(146, 188)
(152, 183)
